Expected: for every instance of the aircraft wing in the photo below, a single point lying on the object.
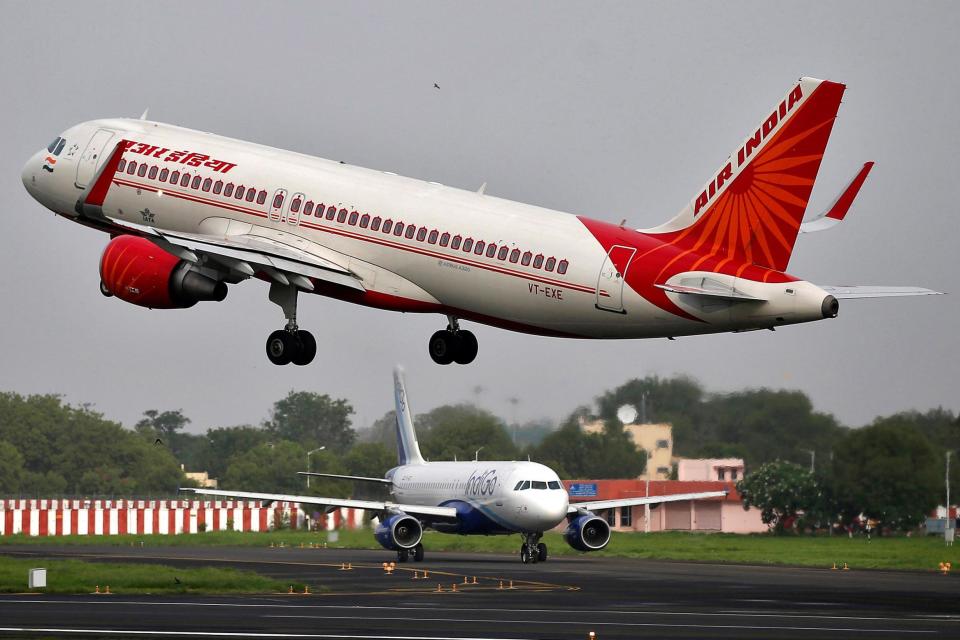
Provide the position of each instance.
(630, 502)
(369, 505)
(853, 292)
(838, 210)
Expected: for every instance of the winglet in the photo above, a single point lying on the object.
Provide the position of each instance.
(835, 214)
(143, 116)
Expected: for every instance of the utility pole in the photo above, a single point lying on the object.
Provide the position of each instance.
(310, 453)
(949, 453)
(813, 458)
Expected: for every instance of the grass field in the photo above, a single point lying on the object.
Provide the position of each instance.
(78, 576)
(917, 553)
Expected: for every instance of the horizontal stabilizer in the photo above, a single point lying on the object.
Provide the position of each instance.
(853, 292)
(343, 477)
(838, 210)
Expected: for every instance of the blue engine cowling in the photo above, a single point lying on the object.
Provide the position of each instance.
(398, 531)
(587, 532)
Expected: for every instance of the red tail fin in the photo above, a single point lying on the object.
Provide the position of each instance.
(752, 209)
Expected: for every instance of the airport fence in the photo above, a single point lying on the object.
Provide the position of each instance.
(40, 517)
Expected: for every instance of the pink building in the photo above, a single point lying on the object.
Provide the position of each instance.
(712, 514)
(720, 469)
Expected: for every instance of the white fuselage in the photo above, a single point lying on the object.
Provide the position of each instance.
(548, 273)
(490, 497)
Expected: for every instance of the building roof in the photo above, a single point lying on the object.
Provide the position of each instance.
(615, 489)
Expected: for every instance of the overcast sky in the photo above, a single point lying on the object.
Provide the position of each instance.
(608, 110)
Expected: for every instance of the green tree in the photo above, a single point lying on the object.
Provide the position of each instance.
(162, 424)
(313, 420)
(272, 468)
(572, 453)
(781, 490)
(11, 468)
(224, 443)
(889, 473)
(457, 431)
(369, 460)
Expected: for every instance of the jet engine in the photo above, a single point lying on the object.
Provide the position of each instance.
(398, 531)
(587, 532)
(141, 273)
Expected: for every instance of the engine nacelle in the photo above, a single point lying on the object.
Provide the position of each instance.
(141, 273)
(399, 531)
(587, 532)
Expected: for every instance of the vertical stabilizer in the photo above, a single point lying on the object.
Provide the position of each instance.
(408, 451)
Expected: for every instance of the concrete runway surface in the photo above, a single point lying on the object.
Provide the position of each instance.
(566, 597)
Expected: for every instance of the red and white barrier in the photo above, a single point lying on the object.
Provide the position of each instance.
(168, 517)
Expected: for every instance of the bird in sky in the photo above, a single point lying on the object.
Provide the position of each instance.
(436, 86)
(158, 441)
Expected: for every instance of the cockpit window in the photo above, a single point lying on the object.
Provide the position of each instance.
(53, 145)
(59, 148)
(554, 484)
(517, 488)
(538, 484)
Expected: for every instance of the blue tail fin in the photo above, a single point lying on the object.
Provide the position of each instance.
(408, 451)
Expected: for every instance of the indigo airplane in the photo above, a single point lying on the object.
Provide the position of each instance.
(469, 498)
(189, 213)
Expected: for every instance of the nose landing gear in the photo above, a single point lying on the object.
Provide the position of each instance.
(453, 344)
(532, 550)
(289, 344)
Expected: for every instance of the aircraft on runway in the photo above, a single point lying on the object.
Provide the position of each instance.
(190, 213)
(469, 498)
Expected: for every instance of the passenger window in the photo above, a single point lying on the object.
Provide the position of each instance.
(331, 212)
(175, 177)
(261, 197)
(433, 237)
(228, 190)
(527, 256)
(491, 250)
(185, 180)
(278, 201)
(514, 255)
(422, 234)
(142, 171)
(252, 193)
(387, 225)
(503, 254)
(538, 261)
(121, 166)
(239, 193)
(411, 230)
(164, 174)
(444, 239)
(196, 182)
(365, 221)
(218, 186)
(398, 230)
(295, 205)
(342, 216)
(353, 218)
(456, 242)
(320, 209)
(538, 484)
(554, 484)
(375, 225)
(207, 183)
(562, 267)
(308, 208)
(551, 263)
(478, 249)
(132, 168)
(468, 244)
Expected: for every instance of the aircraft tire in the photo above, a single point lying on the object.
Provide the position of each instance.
(306, 350)
(541, 552)
(443, 346)
(524, 554)
(403, 555)
(280, 347)
(418, 553)
(467, 348)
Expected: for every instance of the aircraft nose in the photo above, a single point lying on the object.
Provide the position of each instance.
(29, 173)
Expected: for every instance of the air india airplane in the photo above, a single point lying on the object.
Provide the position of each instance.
(469, 498)
(190, 213)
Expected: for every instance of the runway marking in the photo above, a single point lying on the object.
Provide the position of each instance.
(594, 623)
(238, 634)
(282, 605)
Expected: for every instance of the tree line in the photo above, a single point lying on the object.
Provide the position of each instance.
(49, 448)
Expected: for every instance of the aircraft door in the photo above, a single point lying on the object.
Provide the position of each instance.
(293, 211)
(276, 205)
(87, 165)
(611, 278)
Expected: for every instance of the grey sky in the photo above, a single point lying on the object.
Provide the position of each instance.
(609, 110)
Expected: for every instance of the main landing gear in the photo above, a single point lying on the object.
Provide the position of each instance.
(532, 550)
(403, 555)
(289, 344)
(453, 344)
